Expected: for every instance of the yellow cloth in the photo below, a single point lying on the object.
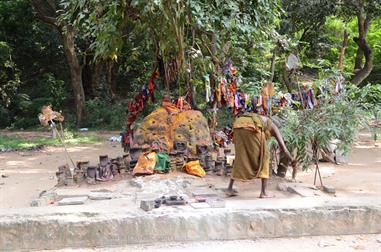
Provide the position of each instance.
(194, 168)
(252, 154)
(146, 164)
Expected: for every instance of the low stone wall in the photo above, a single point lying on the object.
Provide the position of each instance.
(62, 229)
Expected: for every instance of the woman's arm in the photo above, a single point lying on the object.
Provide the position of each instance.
(276, 133)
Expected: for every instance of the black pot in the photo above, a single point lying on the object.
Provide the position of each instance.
(91, 171)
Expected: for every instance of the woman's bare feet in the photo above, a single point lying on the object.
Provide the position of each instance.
(230, 192)
(265, 196)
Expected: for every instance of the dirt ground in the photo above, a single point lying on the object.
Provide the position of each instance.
(31, 172)
(24, 175)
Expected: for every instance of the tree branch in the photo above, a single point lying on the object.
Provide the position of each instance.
(45, 11)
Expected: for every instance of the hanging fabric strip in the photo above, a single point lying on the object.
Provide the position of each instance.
(207, 88)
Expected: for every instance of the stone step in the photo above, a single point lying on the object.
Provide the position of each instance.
(104, 225)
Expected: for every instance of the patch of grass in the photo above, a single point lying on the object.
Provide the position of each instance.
(17, 143)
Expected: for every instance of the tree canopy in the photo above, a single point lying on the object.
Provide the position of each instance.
(84, 56)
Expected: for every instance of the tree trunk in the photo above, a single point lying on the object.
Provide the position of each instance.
(102, 81)
(272, 67)
(286, 78)
(47, 12)
(363, 26)
(68, 38)
(343, 48)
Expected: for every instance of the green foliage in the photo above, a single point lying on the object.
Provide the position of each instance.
(30, 55)
(55, 90)
(20, 143)
(367, 97)
(369, 100)
(134, 34)
(336, 117)
(9, 75)
(100, 114)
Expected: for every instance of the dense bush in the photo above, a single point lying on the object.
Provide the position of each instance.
(101, 114)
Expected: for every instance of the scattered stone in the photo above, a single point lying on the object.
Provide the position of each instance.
(324, 244)
(100, 196)
(329, 189)
(73, 201)
(147, 205)
(301, 190)
(358, 247)
(340, 157)
(4, 176)
(42, 193)
(45, 198)
(282, 187)
(137, 182)
(207, 193)
(215, 202)
(35, 203)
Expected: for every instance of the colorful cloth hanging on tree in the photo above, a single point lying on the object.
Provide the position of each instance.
(137, 105)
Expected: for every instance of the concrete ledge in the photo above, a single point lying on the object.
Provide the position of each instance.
(81, 226)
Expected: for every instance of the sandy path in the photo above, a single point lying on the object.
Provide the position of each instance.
(29, 173)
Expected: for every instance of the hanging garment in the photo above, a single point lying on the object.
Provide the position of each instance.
(151, 86)
(236, 100)
(247, 102)
(180, 103)
(269, 104)
(218, 92)
(207, 88)
(233, 70)
(253, 104)
(305, 99)
(259, 101)
(264, 105)
(314, 101)
(339, 86)
(288, 98)
(223, 89)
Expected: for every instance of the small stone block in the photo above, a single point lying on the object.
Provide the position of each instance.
(100, 196)
(329, 189)
(72, 201)
(147, 205)
(35, 203)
